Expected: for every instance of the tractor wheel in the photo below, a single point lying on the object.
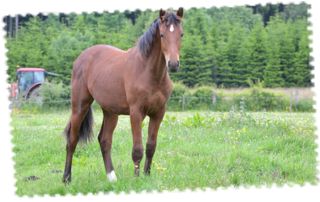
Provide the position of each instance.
(35, 96)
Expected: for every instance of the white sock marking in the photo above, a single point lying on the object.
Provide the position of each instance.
(171, 28)
(112, 176)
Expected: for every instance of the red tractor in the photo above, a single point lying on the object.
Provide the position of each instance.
(29, 80)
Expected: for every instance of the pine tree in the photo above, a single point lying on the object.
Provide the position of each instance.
(273, 74)
(224, 46)
(302, 68)
(29, 48)
(231, 69)
(255, 53)
(287, 50)
(222, 69)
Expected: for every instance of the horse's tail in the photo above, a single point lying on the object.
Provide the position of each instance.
(85, 133)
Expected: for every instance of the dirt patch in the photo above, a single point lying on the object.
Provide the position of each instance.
(31, 178)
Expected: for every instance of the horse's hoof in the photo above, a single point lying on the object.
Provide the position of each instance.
(66, 182)
(147, 173)
(66, 179)
(136, 172)
(112, 176)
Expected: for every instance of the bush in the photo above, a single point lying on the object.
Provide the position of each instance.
(179, 90)
(55, 94)
(48, 95)
(202, 98)
(176, 98)
(223, 102)
(258, 99)
(304, 105)
(252, 99)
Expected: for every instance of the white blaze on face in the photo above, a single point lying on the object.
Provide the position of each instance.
(171, 28)
(166, 57)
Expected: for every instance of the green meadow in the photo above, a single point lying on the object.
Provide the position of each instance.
(195, 150)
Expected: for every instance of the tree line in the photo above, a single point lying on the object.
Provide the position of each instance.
(225, 47)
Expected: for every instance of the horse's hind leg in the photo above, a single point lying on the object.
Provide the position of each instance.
(80, 108)
(105, 140)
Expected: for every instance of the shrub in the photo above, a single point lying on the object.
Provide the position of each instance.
(55, 94)
(48, 95)
(179, 90)
(202, 98)
(258, 99)
(195, 121)
(203, 91)
(223, 102)
(304, 105)
(176, 98)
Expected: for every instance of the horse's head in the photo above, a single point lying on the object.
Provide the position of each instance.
(171, 32)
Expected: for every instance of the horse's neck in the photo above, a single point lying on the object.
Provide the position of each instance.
(156, 63)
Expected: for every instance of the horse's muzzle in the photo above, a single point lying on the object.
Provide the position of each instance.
(173, 66)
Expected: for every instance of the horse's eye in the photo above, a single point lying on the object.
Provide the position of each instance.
(161, 35)
(181, 34)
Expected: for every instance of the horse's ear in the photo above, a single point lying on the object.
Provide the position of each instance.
(161, 14)
(180, 12)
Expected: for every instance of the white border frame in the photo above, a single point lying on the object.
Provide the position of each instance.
(7, 181)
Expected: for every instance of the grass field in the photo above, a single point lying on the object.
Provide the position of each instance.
(195, 150)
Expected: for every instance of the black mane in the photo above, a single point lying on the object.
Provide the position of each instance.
(146, 41)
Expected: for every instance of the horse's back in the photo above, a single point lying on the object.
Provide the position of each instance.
(94, 57)
(104, 47)
(96, 52)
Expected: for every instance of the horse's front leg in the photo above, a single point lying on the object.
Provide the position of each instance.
(154, 124)
(136, 118)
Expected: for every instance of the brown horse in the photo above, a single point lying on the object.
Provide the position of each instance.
(133, 82)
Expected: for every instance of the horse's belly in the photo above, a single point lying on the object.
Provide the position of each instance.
(114, 106)
(111, 96)
(117, 109)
